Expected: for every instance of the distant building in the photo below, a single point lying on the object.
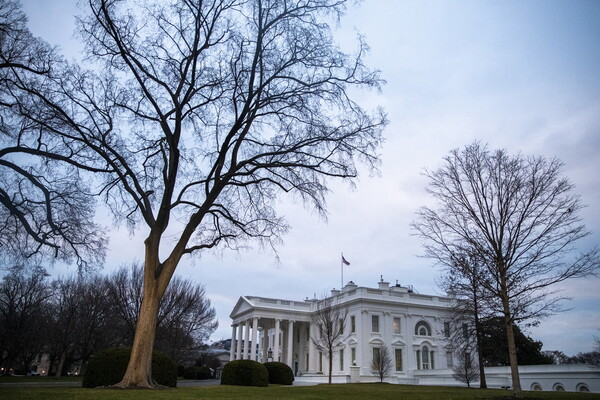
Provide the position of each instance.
(414, 327)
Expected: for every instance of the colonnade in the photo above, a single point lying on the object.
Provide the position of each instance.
(273, 337)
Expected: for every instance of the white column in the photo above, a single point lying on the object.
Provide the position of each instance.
(246, 355)
(232, 349)
(265, 345)
(276, 344)
(290, 348)
(238, 351)
(254, 339)
(312, 350)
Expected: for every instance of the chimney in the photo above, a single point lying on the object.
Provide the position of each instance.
(383, 284)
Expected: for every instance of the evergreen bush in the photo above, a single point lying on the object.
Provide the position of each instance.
(245, 373)
(107, 368)
(279, 373)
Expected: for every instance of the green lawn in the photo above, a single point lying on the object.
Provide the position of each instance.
(320, 392)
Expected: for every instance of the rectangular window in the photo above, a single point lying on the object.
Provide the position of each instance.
(418, 359)
(467, 360)
(449, 360)
(376, 354)
(432, 360)
(307, 364)
(352, 324)
(465, 329)
(447, 329)
(375, 323)
(353, 355)
(397, 326)
(341, 326)
(341, 360)
(398, 359)
(308, 333)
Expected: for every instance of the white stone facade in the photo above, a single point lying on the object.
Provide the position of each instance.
(411, 325)
(414, 327)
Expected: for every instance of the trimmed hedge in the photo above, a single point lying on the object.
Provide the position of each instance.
(245, 373)
(197, 373)
(279, 373)
(107, 368)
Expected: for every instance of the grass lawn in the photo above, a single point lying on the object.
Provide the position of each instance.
(320, 392)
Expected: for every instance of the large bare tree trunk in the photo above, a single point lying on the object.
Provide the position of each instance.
(139, 369)
(512, 351)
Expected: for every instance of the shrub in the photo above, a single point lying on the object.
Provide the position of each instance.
(279, 373)
(107, 367)
(197, 373)
(245, 373)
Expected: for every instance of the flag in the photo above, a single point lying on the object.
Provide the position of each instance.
(345, 261)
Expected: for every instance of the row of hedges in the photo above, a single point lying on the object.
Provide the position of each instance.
(108, 367)
(252, 373)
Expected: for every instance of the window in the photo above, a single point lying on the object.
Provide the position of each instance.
(425, 357)
(447, 329)
(536, 386)
(308, 334)
(353, 355)
(307, 363)
(422, 329)
(449, 359)
(398, 359)
(396, 326)
(418, 359)
(375, 323)
(465, 329)
(376, 353)
(341, 326)
(558, 387)
(582, 387)
(320, 362)
(352, 324)
(341, 360)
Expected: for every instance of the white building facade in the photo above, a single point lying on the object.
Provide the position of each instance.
(413, 327)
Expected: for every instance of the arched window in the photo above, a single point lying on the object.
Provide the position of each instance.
(582, 387)
(422, 329)
(536, 386)
(558, 387)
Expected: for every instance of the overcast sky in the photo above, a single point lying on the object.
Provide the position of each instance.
(522, 75)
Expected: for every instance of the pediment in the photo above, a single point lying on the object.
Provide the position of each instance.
(242, 306)
(376, 341)
(398, 342)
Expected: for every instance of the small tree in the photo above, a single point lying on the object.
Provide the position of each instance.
(330, 321)
(381, 364)
(466, 369)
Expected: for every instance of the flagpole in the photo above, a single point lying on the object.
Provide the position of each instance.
(342, 270)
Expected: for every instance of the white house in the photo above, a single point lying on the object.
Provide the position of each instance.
(414, 327)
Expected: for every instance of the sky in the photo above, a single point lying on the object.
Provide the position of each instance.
(516, 74)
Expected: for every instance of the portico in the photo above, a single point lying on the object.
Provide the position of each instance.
(265, 329)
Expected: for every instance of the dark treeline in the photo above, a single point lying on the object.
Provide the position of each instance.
(68, 319)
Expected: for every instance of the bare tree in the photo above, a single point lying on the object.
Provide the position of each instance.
(203, 114)
(45, 206)
(471, 304)
(466, 369)
(381, 364)
(518, 217)
(329, 319)
(24, 294)
(186, 317)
